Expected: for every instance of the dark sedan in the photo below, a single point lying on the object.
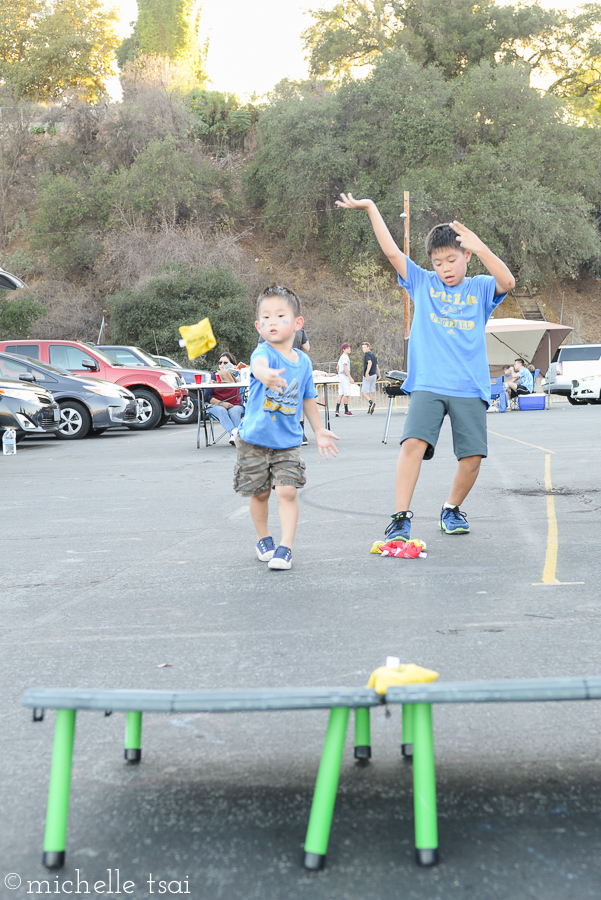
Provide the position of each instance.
(87, 405)
(27, 408)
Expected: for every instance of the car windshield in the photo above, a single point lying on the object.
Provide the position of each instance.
(105, 358)
(150, 360)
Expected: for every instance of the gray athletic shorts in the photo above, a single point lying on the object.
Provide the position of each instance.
(468, 422)
(369, 384)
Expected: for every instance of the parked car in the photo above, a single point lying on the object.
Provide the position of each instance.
(159, 392)
(587, 390)
(86, 404)
(10, 282)
(135, 356)
(190, 376)
(27, 408)
(572, 362)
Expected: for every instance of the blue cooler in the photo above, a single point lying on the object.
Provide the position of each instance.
(532, 401)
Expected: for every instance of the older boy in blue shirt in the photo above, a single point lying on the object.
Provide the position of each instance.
(271, 434)
(447, 366)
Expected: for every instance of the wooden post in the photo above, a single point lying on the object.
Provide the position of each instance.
(407, 307)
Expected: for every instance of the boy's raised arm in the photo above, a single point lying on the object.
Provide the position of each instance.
(497, 268)
(383, 235)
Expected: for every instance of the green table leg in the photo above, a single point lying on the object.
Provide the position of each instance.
(58, 795)
(326, 787)
(133, 737)
(424, 786)
(407, 745)
(362, 736)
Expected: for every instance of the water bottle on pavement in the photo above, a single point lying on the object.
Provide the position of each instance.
(9, 442)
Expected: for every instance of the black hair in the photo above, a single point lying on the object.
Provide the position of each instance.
(441, 237)
(230, 356)
(284, 292)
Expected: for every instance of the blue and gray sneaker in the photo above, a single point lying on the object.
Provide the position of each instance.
(265, 548)
(400, 527)
(453, 521)
(281, 559)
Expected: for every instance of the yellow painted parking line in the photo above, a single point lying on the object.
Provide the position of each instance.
(517, 440)
(550, 568)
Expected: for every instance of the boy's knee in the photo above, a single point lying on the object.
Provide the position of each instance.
(471, 462)
(414, 447)
(262, 498)
(286, 492)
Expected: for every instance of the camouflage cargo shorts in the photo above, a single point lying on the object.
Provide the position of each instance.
(258, 469)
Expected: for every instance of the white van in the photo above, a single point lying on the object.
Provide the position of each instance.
(572, 362)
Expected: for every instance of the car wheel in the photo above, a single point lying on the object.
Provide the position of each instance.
(75, 421)
(575, 402)
(187, 413)
(151, 411)
(163, 420)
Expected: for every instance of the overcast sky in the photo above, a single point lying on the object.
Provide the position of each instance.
(256, 43)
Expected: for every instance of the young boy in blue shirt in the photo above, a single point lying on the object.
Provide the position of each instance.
(447, 366)
(271, 434)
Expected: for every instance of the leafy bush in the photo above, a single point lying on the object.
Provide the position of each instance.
(149, 317)
(219, 118)
(167, 185)
(17, 315)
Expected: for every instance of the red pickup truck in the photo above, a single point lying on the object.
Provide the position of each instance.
(159, 392)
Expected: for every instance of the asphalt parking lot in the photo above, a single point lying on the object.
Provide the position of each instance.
(127, 552)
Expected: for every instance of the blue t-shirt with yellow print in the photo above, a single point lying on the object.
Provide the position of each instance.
(272, 418)
(447, 347)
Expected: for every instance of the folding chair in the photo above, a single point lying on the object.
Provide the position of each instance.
(497, 392)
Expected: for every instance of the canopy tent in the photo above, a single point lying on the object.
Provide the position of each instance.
(534, 342)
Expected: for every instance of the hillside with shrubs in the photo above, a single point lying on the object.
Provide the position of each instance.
(179, 202)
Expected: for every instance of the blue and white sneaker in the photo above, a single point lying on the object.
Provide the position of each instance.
(281, 559)
(453, 521)
(265, 548)
(400, 527)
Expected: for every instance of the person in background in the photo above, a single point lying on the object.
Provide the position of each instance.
(345, 380)
(371, 372)
(521, 380)
(226, 402)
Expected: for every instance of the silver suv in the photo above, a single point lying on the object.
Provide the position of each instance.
(573, 362)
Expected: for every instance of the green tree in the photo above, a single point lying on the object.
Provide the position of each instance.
(166, 28)
(50, 48)
(451, 34)
(483, 147)
(300, 163)
(150, 316)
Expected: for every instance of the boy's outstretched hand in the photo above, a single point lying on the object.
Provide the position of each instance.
(349, 202)
(469, 240)
(272, 378)
(325, 442)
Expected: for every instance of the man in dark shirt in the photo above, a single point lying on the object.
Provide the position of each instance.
(371, 372)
